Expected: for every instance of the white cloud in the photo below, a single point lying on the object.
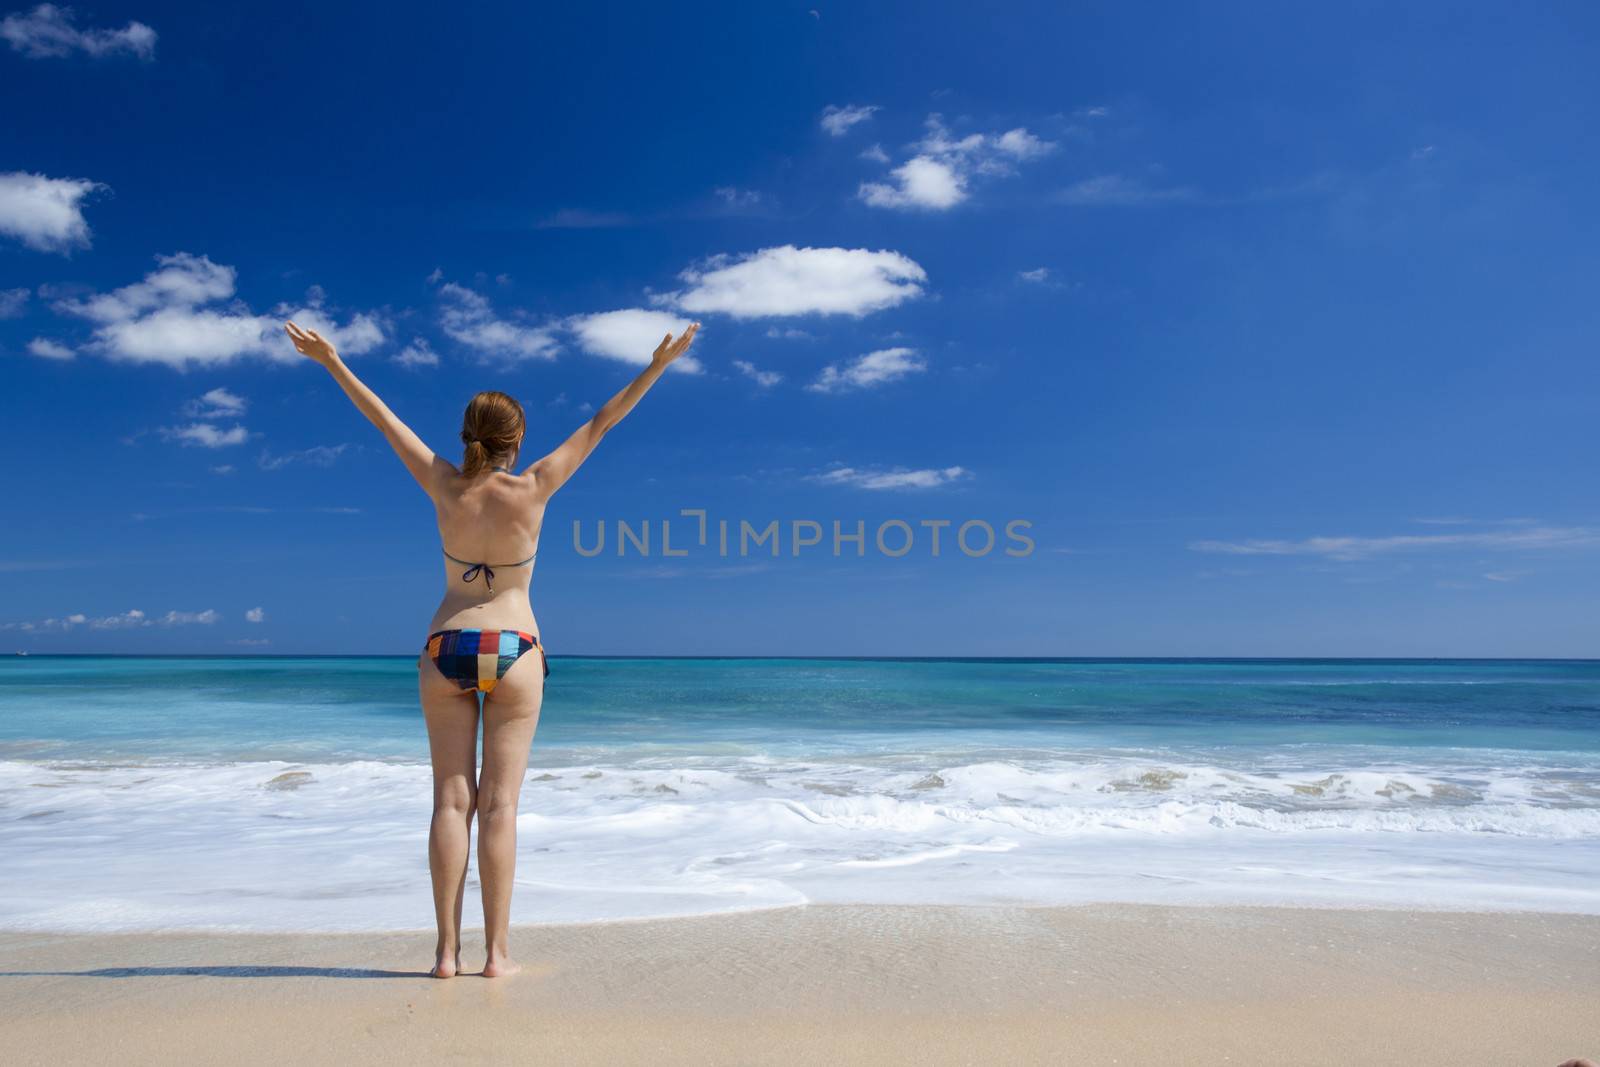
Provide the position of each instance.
(45, 348)
(315, 456)
(1346, 549)
(163, 319)
(468, 319)
(189, 618)
(938, 175)
(1020, 144)
(789, 334)
(919, 182)
(13, 302)
(798, 281)
(874, 368)
(181, 280)
(875, 153)
(631, 335)
(256, 615)
(206, 435)
(418, 354)
(360, 335)
(764, 378)
(48, 32)
(1039, 275)
(898, 478)
(1116, 190)
(46, 214)
(184, 336)
(838, 120)
(128, 620)
(222, 468)
(216, 403)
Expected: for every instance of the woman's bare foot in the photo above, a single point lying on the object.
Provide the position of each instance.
(447, 965)
(500, 968)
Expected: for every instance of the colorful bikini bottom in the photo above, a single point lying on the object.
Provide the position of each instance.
(477, 659)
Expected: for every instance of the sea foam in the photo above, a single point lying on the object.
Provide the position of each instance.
(273, 845)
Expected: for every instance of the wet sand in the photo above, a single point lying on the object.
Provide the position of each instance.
(836, 984)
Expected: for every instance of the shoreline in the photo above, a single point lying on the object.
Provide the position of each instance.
(838, 983)
(534, 928)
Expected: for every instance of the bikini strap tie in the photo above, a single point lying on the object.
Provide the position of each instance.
(488, 575)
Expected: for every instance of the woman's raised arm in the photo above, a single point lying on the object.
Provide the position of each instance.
(551, 472)
(418, 457)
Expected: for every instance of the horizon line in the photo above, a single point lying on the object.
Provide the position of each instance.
(848, 658)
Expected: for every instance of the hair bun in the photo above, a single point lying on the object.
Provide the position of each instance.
(494, 422)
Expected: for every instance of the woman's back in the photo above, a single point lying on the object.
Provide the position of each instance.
(490, 525)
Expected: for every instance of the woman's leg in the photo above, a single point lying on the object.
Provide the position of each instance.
(510, 715)
(452, 718)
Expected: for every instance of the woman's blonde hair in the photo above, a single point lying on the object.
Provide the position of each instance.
(491, 429)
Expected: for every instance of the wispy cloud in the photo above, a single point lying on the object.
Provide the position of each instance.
(315, 456)
(417, 354)
(1119, 190)
(942, 167)
(48, 32)
(1456, 520)
(13, 302)
(45, 348)
(216, 404)
(256, 615)
(46, 214)
(738, 200)
(764, 378)
(873, 369)
(786, 280)
(468, 319)
(206, 435)
(839, 119)
(1346, 549)
(897, 478)
(1505, 576)
(132, 619)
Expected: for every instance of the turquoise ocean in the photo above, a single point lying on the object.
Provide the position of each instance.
(293, 793)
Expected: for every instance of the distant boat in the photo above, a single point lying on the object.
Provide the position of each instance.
(21, 653)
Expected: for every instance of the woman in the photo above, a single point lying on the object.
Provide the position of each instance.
(483, 637)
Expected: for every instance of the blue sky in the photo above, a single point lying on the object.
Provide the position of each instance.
(1276, 322)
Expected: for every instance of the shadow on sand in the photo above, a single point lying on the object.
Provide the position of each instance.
(219, 972)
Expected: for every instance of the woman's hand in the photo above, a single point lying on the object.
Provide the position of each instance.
(670, 349)
(312, 345)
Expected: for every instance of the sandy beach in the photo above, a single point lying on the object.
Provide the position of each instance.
(839, 984)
